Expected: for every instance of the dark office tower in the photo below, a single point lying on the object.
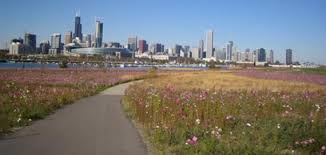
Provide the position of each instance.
(78, 28)
(289, 56)
(143, 47)
(98, 34)
(177, 49)
(30, 43)
(158, 48)
(261, 55)
(44, 47)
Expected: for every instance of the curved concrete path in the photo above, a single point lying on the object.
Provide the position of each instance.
(94, 125)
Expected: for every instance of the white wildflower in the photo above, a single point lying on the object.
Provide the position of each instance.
(198, 121)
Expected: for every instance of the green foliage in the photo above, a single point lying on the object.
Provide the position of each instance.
(319, 70)
(63, 64)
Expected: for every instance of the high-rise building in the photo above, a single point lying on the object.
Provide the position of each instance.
(68, 37)
(220, 54)
(88, 40)
(186, 50)
(55, 44)
(30, 43)
(229, 50)
(201, 45)
(132, 43)
(261, 55)
(196, 53)
(289, 56)
(159, 48)
(16, 47)
(98, 34)
(209, 43)
(44, 47)
(143, 46)
(78, 28)
(271, 57)
(177, 49)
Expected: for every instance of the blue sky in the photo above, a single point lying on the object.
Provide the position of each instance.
(271, 24)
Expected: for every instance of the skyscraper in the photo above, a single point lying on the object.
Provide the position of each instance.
(261, 55)
(132, 43)
(68, 37)
(143, 47)
(16, 47)
(201, 45)
(209, 43)
(44, 47)
(289, 56)
(30, 42)
(229, 50)
(271, 57)
(196, 53)
(177, 49)
(88, 40)
(55, 44)
(78, 28)
(98, 34)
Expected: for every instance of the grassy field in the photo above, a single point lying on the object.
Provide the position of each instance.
(27, 95)
(216, 112)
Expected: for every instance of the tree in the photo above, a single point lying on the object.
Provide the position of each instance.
(277, 62)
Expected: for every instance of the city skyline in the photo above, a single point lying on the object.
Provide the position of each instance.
(301, 30)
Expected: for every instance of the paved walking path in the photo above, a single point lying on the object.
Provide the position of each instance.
(94, 125)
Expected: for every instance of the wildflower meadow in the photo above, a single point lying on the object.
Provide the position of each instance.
(30, 94)
(191, 113)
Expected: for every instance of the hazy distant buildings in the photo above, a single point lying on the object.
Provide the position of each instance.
(68, 38)
(55, 44)
(186, 51)
(271, 57)
(289, 56)
(229, 51)
(159, 48)
(196, 53)
(98, 34)
(30, 43)
(156, 48)
(201, 45)
(78, 28)
(132, 43)
(88, 40)
(209, 43)
(177, 49)
(114, 45)
(220, 54)
(143, 46)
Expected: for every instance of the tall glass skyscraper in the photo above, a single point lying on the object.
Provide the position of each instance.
(229, 50)
(209, 43)
(289, 56)
(261, 55)
(30, 42)
(78, 28)
(98, 34)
